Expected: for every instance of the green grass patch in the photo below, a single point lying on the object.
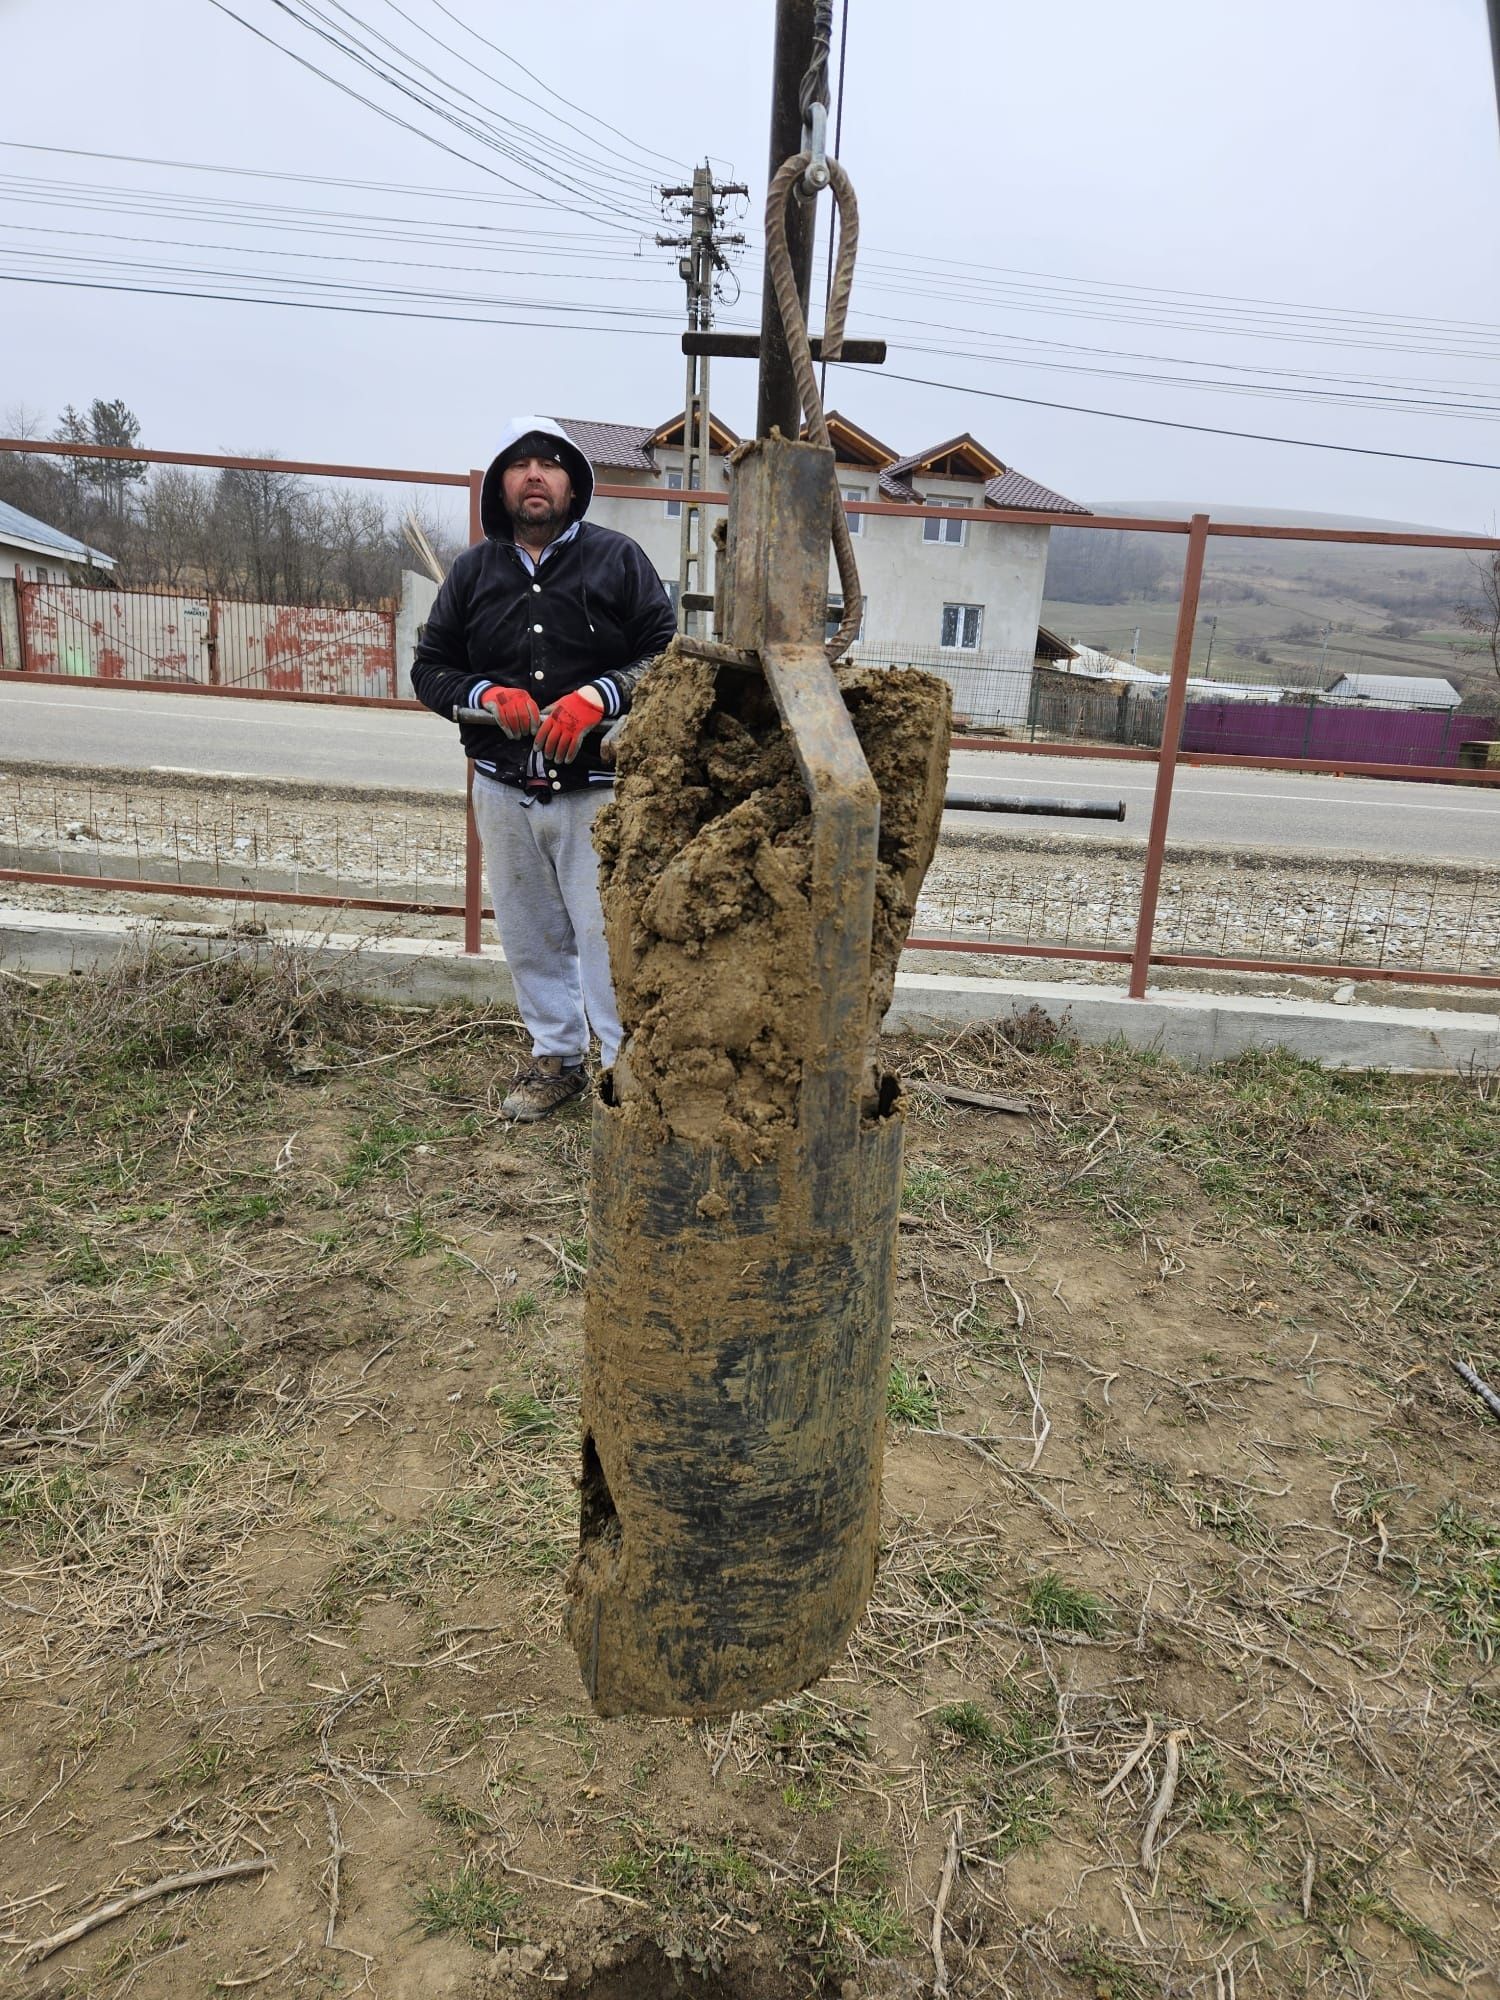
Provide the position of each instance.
(911, 1399)
(1053, 1605)
(470, 1905)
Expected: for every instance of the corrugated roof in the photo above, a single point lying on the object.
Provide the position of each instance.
(27, 530)
(1014, 489)
(620, 446)
(1397, 690)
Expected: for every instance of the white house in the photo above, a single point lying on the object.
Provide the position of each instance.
(962, 597)
(33, 552)
(1395, 691)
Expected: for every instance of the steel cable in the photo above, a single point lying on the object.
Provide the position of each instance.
(794, 324)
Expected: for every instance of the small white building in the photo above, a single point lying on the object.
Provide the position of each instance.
(1395, 691)
(962, 597)
(33, 552)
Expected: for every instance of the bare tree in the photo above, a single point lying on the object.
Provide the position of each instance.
(1481, 614)
(176, 512)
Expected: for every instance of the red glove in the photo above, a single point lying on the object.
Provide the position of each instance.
(565, 724)
(514, 710)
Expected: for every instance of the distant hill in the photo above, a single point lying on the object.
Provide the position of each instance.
(1297, 612)
(1280, 517)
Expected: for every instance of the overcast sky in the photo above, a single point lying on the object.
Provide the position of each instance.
(1296, 197)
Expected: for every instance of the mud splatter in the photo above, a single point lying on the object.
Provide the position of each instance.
(705, 861)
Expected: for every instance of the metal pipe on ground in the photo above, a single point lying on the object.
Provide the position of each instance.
(979, 802)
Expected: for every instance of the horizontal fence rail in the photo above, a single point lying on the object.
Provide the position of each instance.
(1137, 914)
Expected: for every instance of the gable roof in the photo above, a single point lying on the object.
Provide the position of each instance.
(669, 433)
(1398, 690)
(27, 532)
(965, 447)
(1005, 488)
(853, 446)
(630, 448)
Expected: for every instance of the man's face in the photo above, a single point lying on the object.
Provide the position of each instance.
(537, 492)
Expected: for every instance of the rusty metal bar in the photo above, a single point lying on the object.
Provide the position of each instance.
(998, 517)
(473, 868)
(221, 892)
(220, 693)
(137, 454)
(1310, 968)
(1336, 767)
(1327, 969)
(1171, 736)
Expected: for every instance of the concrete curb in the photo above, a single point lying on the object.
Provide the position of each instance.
(1192, 1028)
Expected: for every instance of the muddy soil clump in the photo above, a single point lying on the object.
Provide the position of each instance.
(706, 855)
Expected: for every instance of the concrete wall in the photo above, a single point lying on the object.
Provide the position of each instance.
(418, 593)
(10, 624)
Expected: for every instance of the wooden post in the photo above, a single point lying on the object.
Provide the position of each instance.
(1166, 766)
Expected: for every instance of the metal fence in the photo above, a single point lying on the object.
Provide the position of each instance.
(1152, 913)
(212, 641)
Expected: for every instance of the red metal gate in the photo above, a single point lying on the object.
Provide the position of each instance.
(140, 635)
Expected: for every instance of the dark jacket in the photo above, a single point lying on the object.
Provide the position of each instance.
(595, 614)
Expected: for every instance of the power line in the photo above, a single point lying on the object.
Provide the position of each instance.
(1158, 292)
(635, 157)
(1174, 423)
(328, 305)
(394, 118)
(441, 98)
(356, 46)
(675, 165)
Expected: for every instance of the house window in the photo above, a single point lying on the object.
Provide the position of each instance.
(836, 618)
(952, 532)
(673, 590)
(41, 574)
(962, 624)
(674, 507)
(856, 521)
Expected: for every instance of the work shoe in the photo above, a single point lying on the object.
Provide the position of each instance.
(543, 1086)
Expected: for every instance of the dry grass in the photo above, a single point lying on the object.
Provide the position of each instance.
(1183, 1650)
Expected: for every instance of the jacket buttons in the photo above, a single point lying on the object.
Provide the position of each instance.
(556, 786)
(536, 590)
(539, 675)
(536, 628)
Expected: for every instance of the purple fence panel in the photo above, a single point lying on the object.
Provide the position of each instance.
(1366, 735)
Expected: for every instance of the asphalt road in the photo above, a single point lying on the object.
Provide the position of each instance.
(170, 734)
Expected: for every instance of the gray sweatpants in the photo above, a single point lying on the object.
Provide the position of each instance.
(544, 882)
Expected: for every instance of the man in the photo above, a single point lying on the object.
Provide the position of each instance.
(548, 623)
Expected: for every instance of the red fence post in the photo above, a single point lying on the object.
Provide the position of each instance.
(473, 871)
(1166, 768)
(23, 658)
(476, 525)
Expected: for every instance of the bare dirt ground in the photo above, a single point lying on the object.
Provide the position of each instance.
(1179, 1677)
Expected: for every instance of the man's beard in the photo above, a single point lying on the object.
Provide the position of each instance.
(529, 520)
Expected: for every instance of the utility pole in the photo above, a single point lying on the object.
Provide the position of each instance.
(1213, 626)
(702, 257)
